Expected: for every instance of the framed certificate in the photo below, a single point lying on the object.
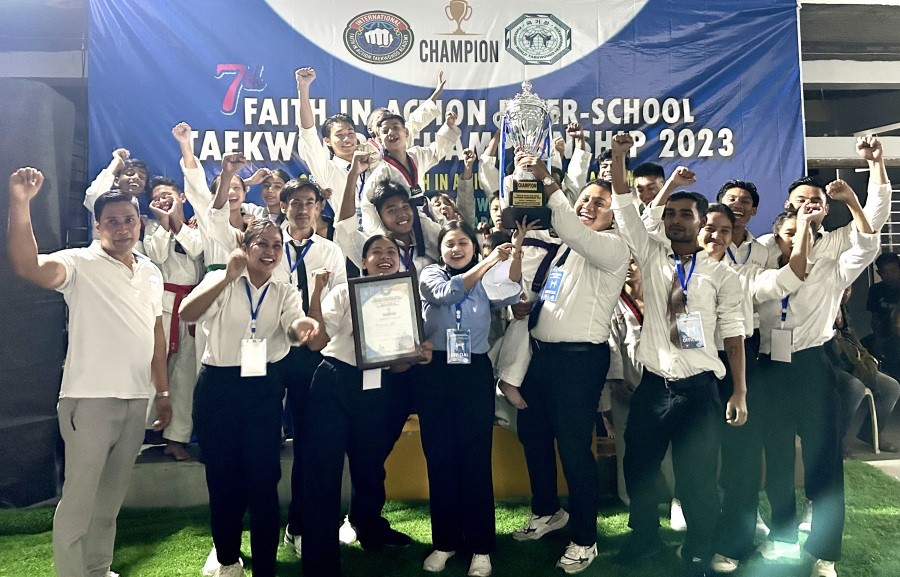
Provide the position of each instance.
(387, 319)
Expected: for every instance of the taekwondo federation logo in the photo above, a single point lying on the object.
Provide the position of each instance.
(378, 37)
(538, 39)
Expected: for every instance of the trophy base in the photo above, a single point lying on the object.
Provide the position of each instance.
(514, 214)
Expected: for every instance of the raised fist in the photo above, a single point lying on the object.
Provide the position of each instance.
(25, 183)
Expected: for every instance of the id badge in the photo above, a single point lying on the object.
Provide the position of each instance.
(371, 379)
(690, 331)
(459, 347)
(253, 357)
(782, 344)
(553, 285)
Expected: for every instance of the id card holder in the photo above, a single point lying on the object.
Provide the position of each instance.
(782, 344)
(253, 357)
(553, 285)
(690, 331)
(459, 347)
(371, 379)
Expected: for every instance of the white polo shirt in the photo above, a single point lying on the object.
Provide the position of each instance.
(112, 317)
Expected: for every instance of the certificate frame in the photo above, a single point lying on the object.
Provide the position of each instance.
(386, 310)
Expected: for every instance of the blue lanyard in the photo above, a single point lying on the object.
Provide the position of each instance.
(459, 313)
(287, 253)
(784, 309)
(254, 312)
(734, 260)
(679, 268)
(409, 257)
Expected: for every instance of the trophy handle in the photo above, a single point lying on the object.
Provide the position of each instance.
(447, 13)
(468, 13)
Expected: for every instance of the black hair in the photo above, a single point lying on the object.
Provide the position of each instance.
(391, 116)
(469, 232)
(783, 216)
(604, 184)
(722, 209)
(368, 244)
(331, 120)
(886, 258)
(377, 113)
(743, 185)
(699, 200)
(557, 174)
(605, 155)
(295, 185)
(133, 164)
(256, 228)
(214, 185)
(114, 196)
(495, 239)
(280, 173)
(649, 169)
(163, 181)
(813, 181)
(385, 190)
(494, 196)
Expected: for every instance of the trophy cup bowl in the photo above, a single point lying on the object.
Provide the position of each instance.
(527, 124)
(459, 11)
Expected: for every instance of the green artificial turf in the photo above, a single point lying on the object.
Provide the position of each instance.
(174, 542)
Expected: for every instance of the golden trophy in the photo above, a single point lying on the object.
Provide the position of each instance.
(459, 11)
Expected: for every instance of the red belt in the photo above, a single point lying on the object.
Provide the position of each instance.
(180, 291)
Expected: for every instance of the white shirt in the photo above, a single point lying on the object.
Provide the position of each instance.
(625, 334)
(112, 318)
(424, 157)
(339, 325)
(714, 290)
(813, 307)
(322, 254)
(176, 268)
(594, 274)
(227, 321)
(834, 243)
(351, 241)
(219, 237)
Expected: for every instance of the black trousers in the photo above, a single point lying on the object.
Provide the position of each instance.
(687, 414)
(456, 418)
(296, 373)
(562, 389)
(342, 419)
(739, 476)
(801, 398)
(238, 425)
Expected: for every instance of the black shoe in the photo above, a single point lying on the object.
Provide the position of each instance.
(386, 538)
(635, 550)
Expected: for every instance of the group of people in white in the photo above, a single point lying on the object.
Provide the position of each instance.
(709, 341)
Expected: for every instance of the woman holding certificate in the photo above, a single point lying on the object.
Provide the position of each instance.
(248, 319)
(456, 395)
(347, 412)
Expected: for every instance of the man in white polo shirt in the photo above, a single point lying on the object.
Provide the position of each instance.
(116, 348)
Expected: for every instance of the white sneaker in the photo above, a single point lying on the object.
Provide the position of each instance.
(292, 541)
(437, 560)
(347, 534)
(762, 530)
(805, 524)
(235, 570)
(723, 564)
(112, 574)
(537, 527)
(212, 563)
(480, 566)
(577, 558)
(676, 516)
(775, 550)
(822, 568)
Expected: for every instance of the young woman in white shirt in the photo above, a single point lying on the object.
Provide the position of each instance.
(248, 319)
(346, 415)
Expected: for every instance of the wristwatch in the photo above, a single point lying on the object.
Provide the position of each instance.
(548, 180)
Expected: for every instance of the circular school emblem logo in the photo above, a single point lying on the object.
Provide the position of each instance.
(378, 37)
(538, 39)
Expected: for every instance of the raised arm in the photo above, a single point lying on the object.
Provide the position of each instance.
(488, 174)
(465, 189)
(231, 164)
(21, 246)
(840, 190)
(631, 228)
(106, 179)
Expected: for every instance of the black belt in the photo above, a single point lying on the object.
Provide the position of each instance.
(581, 347)
(698, 380)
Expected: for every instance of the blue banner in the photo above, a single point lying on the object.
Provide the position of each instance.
(709, 84)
